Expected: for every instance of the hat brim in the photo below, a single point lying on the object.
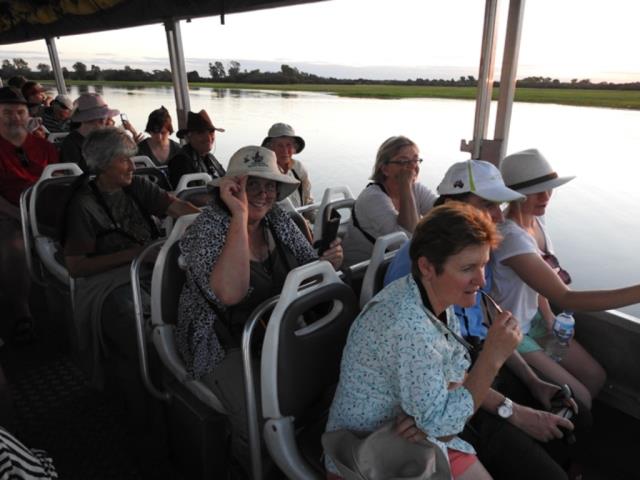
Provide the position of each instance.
(286, 184)
(499, 194)
(94, 114)
(544, 186)
(299, 142)
(183, 131)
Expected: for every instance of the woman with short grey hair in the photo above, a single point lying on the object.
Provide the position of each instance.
(393, 202)
(109, 221)
(105, 146)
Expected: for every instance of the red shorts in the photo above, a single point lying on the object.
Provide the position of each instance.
(460, 461)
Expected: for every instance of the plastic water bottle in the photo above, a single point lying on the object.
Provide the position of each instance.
(562, 332)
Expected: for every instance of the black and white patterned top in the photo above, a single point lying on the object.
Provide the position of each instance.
(201, 246)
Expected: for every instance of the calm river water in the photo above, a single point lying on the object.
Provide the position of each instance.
(593, 220)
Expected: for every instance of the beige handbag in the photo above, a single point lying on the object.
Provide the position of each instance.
(384, 455)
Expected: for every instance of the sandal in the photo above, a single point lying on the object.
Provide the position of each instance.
(22, 332)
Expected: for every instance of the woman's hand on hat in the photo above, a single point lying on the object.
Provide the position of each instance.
(234, 194)
(503, 337)
(406, 427)
(334, 254)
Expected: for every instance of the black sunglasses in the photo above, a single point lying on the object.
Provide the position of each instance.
(553, 262)
(22, 156)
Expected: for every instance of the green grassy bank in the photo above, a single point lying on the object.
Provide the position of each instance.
(578, 97)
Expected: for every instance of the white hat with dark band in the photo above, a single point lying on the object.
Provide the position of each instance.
(529, 172)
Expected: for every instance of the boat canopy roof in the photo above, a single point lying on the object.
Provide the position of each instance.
(27, 20)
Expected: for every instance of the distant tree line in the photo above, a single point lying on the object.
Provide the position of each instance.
(232, 73)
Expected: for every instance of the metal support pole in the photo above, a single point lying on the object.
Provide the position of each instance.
(485, 80)
(178, 70)
(508, 74)
(55, 65)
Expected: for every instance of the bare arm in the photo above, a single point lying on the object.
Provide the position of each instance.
(541, 425)
(229, 277)
(535, 272)
(407, 211)
(178, 207)
(502, 338)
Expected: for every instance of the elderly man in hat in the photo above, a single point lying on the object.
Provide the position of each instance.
(22, 159)
(56, 116)
(284, 142)
(196, 155)
(93, 113)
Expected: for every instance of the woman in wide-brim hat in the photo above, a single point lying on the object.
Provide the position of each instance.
(527, 276)
(238, 253)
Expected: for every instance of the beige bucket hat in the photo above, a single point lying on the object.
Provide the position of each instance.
(259, 162)
(283, 130)
(91, 106)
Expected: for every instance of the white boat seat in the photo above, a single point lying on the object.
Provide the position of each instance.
(374, 275)
(300, 367)
(332, 198)
(166, 286)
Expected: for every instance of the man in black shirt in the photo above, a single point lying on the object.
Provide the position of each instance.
(195, 156)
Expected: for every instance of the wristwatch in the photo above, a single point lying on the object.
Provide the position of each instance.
(505, 410)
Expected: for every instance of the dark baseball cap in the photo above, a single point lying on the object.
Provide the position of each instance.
(11, 95)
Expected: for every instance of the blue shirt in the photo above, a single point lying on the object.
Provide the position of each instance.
(470, 318)
(398, 356)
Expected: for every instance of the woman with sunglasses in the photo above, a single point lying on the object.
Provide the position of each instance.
(394, 201)
(238, 253)
(528, 277)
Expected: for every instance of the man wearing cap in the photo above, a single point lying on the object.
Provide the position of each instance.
(23, 156)
(55, 117)
(36, 97)
(196, 156)
(510, 451)
(284, 142)
(93, 113)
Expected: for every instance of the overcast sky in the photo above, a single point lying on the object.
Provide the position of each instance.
(380, 39)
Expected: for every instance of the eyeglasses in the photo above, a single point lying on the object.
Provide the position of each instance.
(256, 187)
(405, 161)
(553, 262)
(22, 156)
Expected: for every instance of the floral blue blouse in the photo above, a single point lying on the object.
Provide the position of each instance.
(398, 358)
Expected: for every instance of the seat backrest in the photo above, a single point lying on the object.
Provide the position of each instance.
(168, 276)
(191, 180)
(155, 175)
(46, 214)
(57, 138)
(374, 276)
(166, 287)
(329, 198)
(301, 364)
(142, 161)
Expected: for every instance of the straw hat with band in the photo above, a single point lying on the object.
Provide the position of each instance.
(283, 130)
(198, 122)
(259, 162)
(480, 178)
(91, 106)
(529, 172)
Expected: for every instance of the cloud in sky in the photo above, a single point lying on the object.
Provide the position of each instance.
(569, 39)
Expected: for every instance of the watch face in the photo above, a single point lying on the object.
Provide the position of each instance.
(506, 409)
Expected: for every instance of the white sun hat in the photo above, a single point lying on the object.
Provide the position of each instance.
(480, 178)
(529, 172)
(259, 162)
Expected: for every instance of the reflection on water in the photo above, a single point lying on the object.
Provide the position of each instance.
(593, 220)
